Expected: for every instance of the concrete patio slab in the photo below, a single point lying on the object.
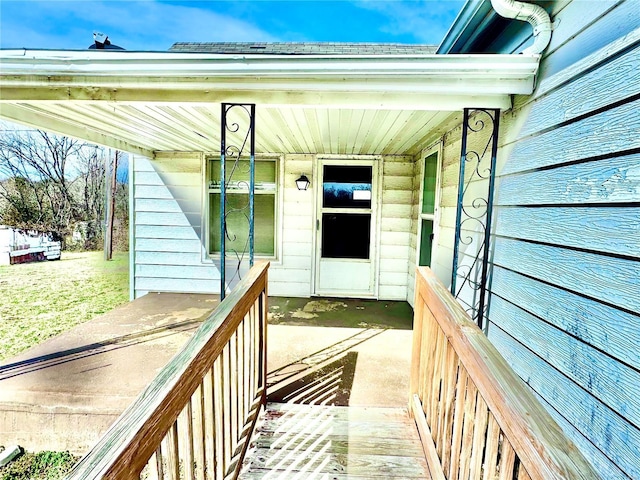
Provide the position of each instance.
(348, 352)
(64, 393)
(339, 366)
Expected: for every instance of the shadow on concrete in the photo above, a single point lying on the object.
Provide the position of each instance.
(64, 356)
(324, 377)
(327, 385)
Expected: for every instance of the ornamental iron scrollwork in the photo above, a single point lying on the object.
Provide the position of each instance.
(237, 172)
(471, 269)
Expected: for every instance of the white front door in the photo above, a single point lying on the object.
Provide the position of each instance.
(346, 228)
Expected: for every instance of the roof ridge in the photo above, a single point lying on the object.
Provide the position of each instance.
(300, 48)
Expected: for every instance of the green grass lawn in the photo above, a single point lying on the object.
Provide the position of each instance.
(39, 466)
(42, 299)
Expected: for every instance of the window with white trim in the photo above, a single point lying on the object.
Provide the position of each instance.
(265, 206)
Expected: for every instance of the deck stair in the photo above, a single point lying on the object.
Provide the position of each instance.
(334, 442)
(207, 415)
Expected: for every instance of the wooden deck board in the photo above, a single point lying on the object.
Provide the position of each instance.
(341, 443)
(264, 474)
(360, 444)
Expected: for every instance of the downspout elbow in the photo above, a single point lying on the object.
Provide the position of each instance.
(528, 12)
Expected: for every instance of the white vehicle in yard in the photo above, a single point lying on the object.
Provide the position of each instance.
(21, 246)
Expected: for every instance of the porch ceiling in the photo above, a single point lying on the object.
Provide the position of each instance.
(149, 128)
(149, 102)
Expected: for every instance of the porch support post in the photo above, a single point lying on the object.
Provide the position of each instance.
(252, 181)
(461, 188)
(237, 129)
(471, 269)
(223, 200)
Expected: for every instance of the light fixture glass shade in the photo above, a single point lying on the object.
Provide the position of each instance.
(303, 182)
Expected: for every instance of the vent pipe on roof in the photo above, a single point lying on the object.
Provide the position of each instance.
(527, 12)
(102, 42)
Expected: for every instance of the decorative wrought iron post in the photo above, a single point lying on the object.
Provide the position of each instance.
(470, 277)
(233, 145)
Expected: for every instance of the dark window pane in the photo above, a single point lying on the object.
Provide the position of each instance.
(238, 223)
(346, 187)
(346, 235)
(425, 243)
(348, 174)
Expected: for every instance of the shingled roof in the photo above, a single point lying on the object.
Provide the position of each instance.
(303, 48)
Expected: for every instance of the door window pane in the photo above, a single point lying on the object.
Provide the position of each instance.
(426, 238)
(346, 186)
(346, 235)
(429, 184)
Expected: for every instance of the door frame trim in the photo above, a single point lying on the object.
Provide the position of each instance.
(377, 164)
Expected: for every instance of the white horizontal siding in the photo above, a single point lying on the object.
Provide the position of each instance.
(190, 285)
(292, 274)
(443, 262)
(168, 251)
(395, 228)
(413, 234)
(394, 265)
(392, 292)
(288, 289)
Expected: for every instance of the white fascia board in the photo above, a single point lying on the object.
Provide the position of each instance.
(189, 65)
(197, 92)
(185, 70)
(274, 99)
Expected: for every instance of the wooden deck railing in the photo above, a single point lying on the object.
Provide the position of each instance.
(477, 419)
(195, 418)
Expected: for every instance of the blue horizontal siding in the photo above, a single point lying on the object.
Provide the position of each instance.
(604, 327)
(605, 428)
(604, 134)
(619, 76)
(615, 281)
(565, 289)
(616, 23)
(609, 230)
(610, 180)
(613, 383)
(168, 216)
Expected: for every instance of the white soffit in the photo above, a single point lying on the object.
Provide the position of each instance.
(146, 102)
(145, 128)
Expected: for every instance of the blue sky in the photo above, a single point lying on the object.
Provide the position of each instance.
(156, 25)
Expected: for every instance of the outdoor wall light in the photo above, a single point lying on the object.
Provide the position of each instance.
(303, 182)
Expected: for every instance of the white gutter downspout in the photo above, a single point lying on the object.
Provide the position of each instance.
(528, 12)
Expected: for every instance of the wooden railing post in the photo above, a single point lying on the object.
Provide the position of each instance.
(477, 419)
(196, 417)
(414, 380)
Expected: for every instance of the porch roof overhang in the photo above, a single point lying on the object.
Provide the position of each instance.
(143, 102)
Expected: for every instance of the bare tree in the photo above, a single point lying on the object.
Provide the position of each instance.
(41, 159)
(18, 204)
(53, 183)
